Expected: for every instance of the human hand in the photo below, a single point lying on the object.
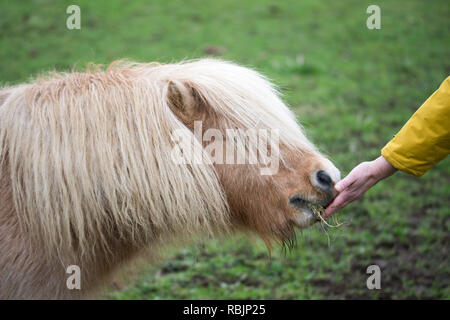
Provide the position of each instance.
(358, 181)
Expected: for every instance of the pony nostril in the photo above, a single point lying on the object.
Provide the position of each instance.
(324, 179)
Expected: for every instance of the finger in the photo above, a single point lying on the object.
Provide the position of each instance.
(336, 205)
(345, 183)
(329, 212)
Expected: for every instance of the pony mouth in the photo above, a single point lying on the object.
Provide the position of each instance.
(312, 210)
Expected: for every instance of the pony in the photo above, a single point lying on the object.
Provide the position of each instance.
(89, 175)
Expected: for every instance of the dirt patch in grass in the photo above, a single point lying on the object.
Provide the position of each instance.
(407, 271)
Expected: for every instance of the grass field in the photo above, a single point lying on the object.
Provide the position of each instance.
(352, 89)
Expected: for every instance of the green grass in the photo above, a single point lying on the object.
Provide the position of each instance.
(352, 88)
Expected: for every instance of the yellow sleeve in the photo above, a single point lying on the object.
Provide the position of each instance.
(425, 139)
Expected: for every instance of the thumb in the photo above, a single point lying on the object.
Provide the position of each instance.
(342, 185)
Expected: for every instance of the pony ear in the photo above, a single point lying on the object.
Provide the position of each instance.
(183, 101)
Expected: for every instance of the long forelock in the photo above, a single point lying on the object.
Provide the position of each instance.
(240, 98)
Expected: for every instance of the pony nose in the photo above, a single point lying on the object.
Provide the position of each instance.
(324, 180)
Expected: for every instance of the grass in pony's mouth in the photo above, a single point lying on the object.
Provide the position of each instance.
(318, 211)
(315, 209)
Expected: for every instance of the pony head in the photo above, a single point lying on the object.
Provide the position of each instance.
(272, 176)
